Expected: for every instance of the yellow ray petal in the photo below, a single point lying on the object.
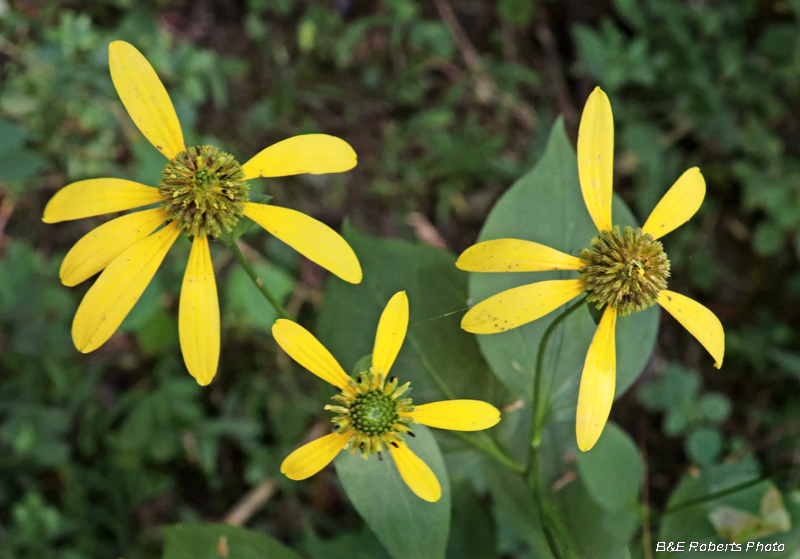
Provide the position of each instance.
(96, 197)
(698, 320)
(118, 288)
(678, 205)
(520, 305)
(100, 246)
(312, 457)
(391, 333)
(416, 473)
(198, 314)
(303, 347)
(311, 153)
(596, 158)
(145, 98)
(597, 382)
(457, 415)
(515, 255)
(311, 238)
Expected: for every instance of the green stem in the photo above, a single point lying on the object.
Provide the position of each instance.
(537, 410)
(724, 492)
(490, 449)
(248, 267)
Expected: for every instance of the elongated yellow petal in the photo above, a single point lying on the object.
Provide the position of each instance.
(118, 288)
(311, 238)
(457, 415)
(597, 382)
(145, 98)
(198, 315)
(515, 255)
(391, 333)
(678, 205)
(698, 320)
(100, 246)
(416, 473)
(519, 305)
(312, 457)
(303, 347)
(96, 197)
(596, 158)
(312, 153)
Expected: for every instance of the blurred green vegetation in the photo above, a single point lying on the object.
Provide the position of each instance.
(446, 104)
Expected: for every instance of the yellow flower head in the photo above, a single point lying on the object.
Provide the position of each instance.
(203, 191)
(372, 414)
(623, 271)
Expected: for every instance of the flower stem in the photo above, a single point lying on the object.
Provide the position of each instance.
(533, 472)
(486, 445)
(538, 409)
(248, 267)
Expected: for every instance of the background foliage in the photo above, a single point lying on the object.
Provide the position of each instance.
(447, 103)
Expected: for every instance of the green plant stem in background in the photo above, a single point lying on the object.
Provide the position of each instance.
(481, 441)
(256, 280)
(549, 521)
(725, 492)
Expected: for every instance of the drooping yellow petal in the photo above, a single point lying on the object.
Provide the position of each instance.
(118, 288)
(145, 98)
(597, 382)
(698, 320)
(515, 255)
(596, 158)
(457, 415)
(303, 347)
(198, 314)
(96, 197)
(678, 205)
(312, 457)
(391, 333)
(100, 246)
(312, 153)
(311, 238)
(416, 473)
(520, 305)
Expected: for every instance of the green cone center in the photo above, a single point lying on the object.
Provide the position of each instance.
(373, 413)
(625, 270)
(203, 189)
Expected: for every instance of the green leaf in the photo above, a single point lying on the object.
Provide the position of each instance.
(407, 526)
(612, 470)
(546, 206)
(715, 407)
(220, 541)
(441, 360)
(704, 445)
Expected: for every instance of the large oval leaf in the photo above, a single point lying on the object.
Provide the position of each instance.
(546, 206)
(407, 526)
(441, 360)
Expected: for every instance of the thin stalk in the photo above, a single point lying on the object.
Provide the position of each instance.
(724, 493)
(537, 410)
(248, 267)
(490, 449)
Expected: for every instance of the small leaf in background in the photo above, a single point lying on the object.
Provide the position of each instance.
(715, 406)
(220, 541)
(546, 206)
(246, 306)
(704, 445)
(736, 525)
(612, 470)
(407, 526)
